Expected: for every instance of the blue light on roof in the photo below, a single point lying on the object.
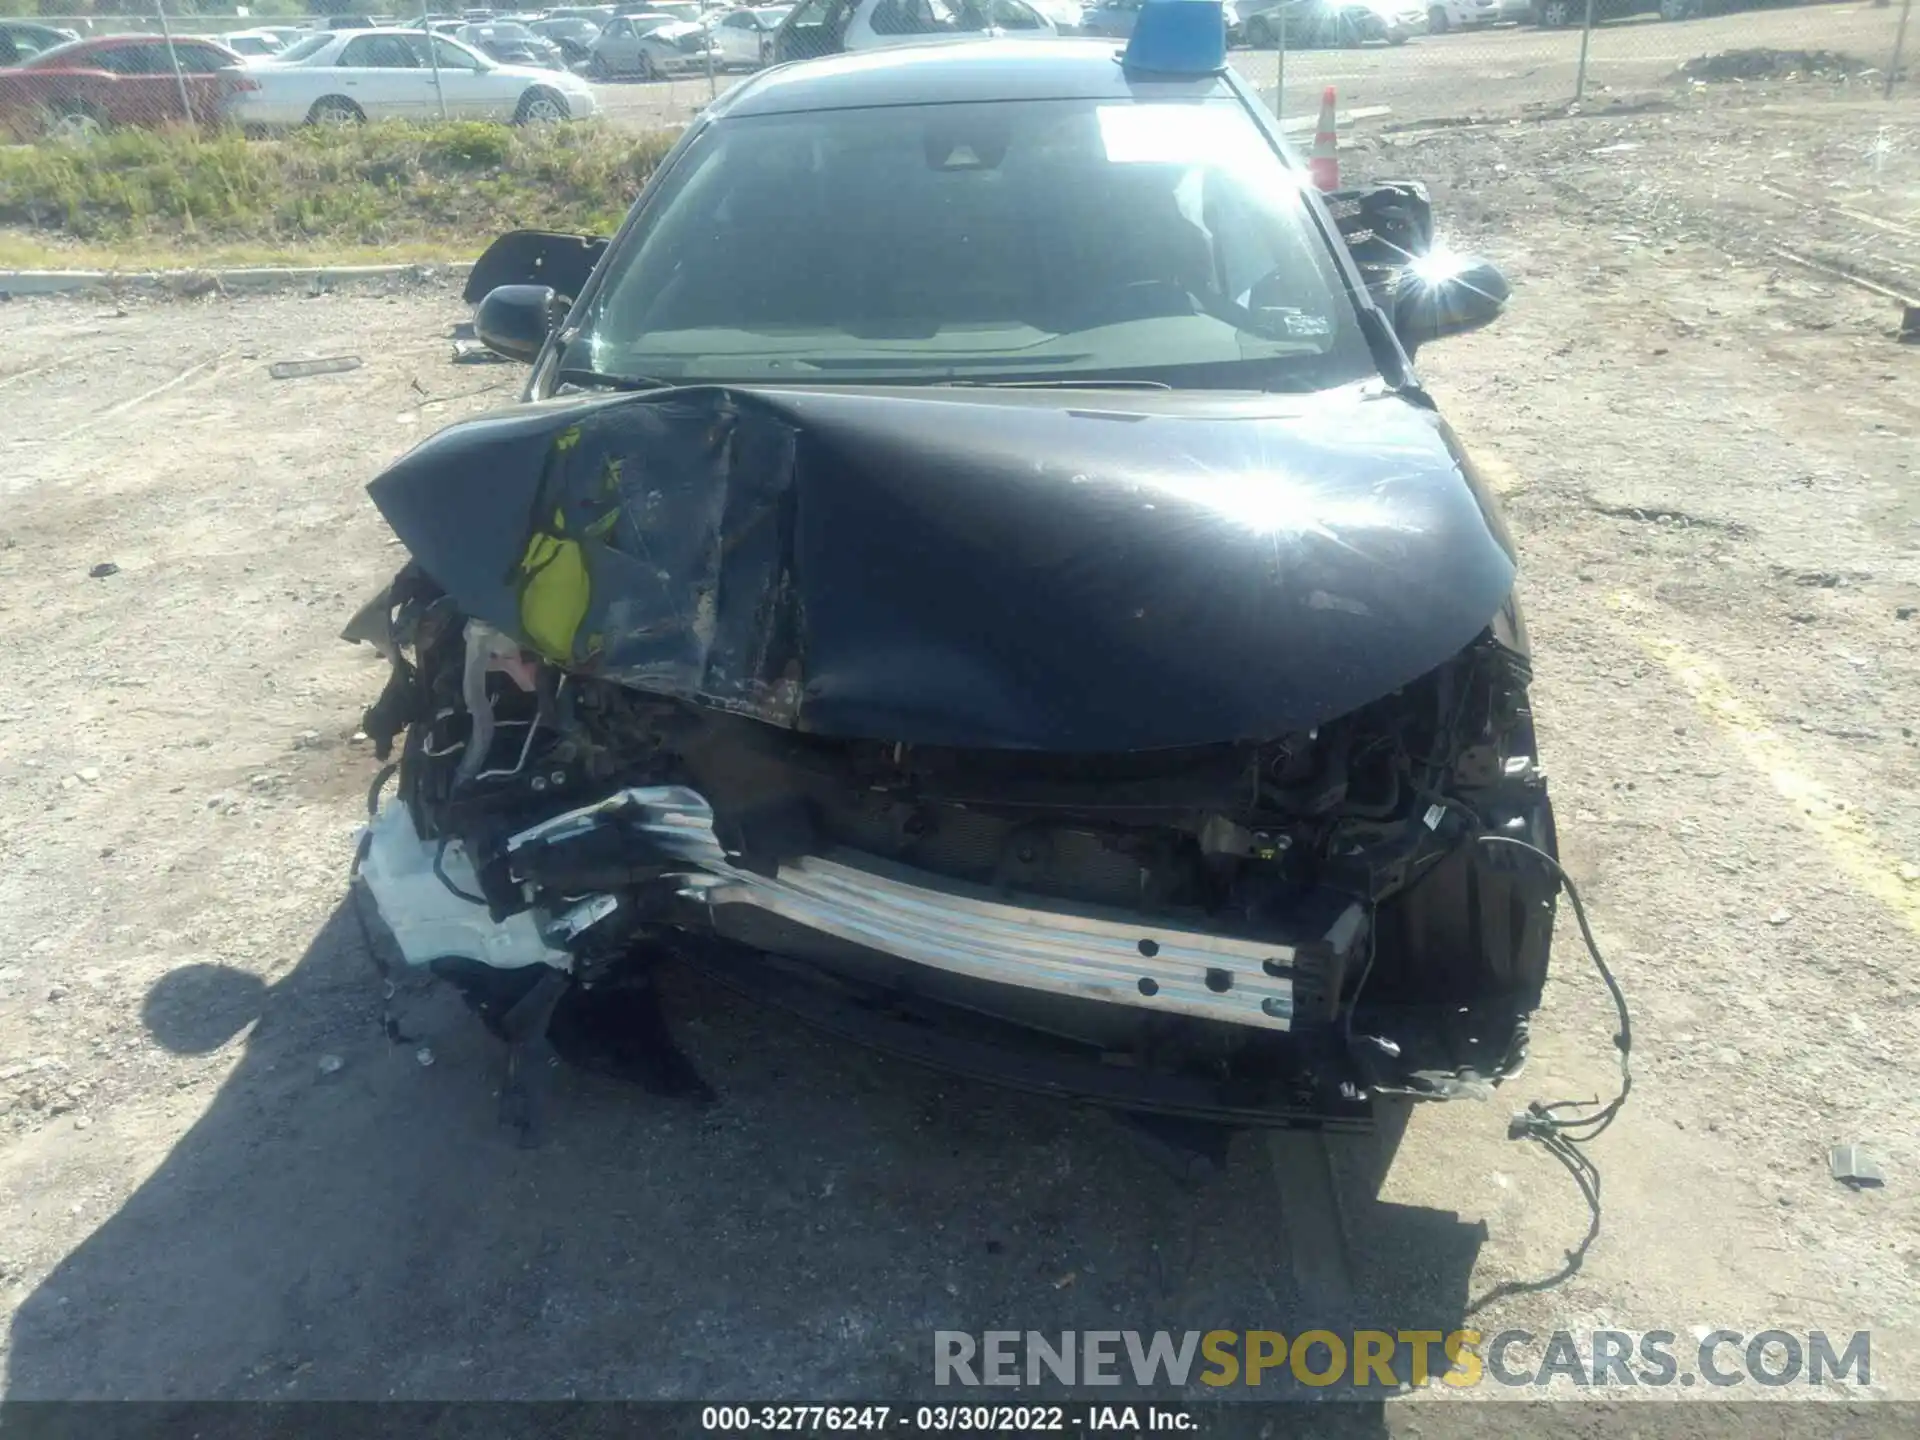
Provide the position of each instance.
(1178, 37)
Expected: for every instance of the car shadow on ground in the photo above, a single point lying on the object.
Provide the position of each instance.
(367, 1229)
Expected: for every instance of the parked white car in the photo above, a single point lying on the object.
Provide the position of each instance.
(743, 39)
(389, 75)
(1445, 15)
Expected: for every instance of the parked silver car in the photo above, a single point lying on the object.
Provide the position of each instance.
(652, 47)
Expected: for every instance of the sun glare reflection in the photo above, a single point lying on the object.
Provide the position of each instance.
(1290, 491)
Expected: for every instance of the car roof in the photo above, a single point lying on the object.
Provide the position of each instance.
(88, 44)
(956, 71)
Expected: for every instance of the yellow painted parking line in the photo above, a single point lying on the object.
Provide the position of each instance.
(1854, 848)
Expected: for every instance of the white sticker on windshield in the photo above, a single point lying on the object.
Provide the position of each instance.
(1174, 134)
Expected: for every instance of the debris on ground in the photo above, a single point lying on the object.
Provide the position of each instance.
(473, 352)
(301, 369)
(1910, 324)
(1762, 63)
(103, 570)
(330, 1064)
(1851, 1165)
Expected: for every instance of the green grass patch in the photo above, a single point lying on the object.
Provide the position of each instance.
(363, 193)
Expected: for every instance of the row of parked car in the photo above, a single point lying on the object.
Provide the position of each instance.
(79, 87)
(534, 66)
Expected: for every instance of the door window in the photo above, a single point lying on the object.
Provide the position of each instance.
(378, 52)
(198, 59)
(127, 60)
(911, 17)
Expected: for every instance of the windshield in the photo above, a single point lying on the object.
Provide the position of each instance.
(53, 56)
(301, 49)
(1036, 239)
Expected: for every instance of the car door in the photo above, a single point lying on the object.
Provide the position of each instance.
(738, 36)
(142, 92)
(381, 74)
(618, 47)
(815, 27)
(904, 22)
(470, 84)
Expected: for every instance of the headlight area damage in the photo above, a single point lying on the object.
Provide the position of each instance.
(1135, 754)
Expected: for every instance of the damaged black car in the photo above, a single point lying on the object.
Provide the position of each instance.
(974, 565)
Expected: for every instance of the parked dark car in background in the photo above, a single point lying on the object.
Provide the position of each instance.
(511, 44)
(573, 35)
(23, 39)
(85, 86)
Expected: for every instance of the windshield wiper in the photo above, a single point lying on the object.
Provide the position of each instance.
(595, 379)
(1087, 384)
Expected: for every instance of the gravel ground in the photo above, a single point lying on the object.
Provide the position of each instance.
(1707, 454)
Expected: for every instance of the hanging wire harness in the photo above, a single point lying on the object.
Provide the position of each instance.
(1562, 1127)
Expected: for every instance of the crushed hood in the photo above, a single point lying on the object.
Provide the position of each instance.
(969, 568)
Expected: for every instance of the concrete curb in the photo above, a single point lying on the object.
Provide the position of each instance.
(254, 280)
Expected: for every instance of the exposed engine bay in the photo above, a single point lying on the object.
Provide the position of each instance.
(1252, 930)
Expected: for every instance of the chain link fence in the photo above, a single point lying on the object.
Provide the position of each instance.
(1407, 61)
(1396, 61)
(1461, 57)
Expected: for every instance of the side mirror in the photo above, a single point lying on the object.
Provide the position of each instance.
(534, 257)
(515, 320)
(1440, 294)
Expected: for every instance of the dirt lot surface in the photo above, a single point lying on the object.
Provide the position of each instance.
(220, 1178)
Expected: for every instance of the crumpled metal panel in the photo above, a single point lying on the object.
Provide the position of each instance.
(980, 568)
(643, 542)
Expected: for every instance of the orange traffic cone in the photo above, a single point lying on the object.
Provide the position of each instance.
(1324, 165)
